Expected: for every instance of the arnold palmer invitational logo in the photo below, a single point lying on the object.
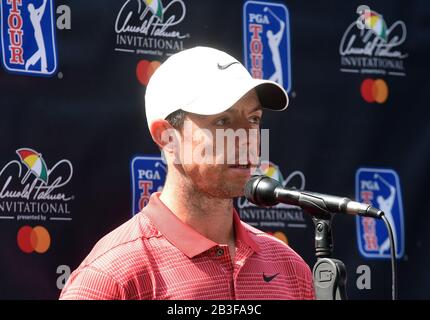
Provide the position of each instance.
(278, 217)
(150, 27)
(30, 190)
(370, 46)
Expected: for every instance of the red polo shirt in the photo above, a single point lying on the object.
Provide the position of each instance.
(155, 255)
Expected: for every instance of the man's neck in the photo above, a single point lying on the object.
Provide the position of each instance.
(212, 217)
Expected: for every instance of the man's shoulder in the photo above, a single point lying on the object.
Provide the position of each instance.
(123, 244)
(109, 271)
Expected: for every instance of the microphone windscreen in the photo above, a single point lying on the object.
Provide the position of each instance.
(250, 187)
(260, 190)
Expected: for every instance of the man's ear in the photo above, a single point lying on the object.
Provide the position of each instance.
(164, 135)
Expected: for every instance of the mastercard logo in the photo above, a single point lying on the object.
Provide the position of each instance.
(374, 90)
(145, 69)
(33, 239)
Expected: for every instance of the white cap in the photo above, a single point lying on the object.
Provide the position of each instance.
(205, 81)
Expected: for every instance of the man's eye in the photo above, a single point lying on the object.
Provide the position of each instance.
(221, 122)
(255, 119)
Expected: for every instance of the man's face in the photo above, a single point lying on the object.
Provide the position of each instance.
(224, 148)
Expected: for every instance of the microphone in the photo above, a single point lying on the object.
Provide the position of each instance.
(265, 191)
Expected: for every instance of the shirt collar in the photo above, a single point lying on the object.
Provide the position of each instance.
(183, 236)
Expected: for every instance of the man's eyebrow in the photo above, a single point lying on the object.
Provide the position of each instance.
(256, 108)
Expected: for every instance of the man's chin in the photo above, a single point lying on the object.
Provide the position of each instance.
(237, 191)
(227, 192)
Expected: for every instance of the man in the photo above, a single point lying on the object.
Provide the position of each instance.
(188, 242)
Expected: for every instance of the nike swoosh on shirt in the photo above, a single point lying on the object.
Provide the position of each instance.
(225, 66)
(269, 278)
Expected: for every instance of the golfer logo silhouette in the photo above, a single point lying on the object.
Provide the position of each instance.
(36, 16)
(274, 41)
(386, 205)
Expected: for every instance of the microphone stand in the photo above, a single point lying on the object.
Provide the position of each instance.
(329, 275)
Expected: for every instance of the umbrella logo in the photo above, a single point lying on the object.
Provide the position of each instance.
(376, 23)
(35, 164)
(155, 7)
(271, 170)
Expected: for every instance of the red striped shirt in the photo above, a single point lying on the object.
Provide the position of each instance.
(155, 255)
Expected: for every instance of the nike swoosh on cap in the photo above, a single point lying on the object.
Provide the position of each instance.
(269, 278)
(225, 66)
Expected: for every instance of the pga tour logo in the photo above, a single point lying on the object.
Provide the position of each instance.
(148, 175)
(266, 36)
(28, 37)
(379, 188)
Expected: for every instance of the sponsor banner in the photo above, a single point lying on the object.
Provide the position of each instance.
(30, 190)
(266, 41)
(381, 189)
(28, 37)
(276, 218)
(148, 174)
(150, 27)
(372, 45)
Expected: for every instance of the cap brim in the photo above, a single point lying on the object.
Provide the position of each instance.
(272, 95)
(216, 100)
